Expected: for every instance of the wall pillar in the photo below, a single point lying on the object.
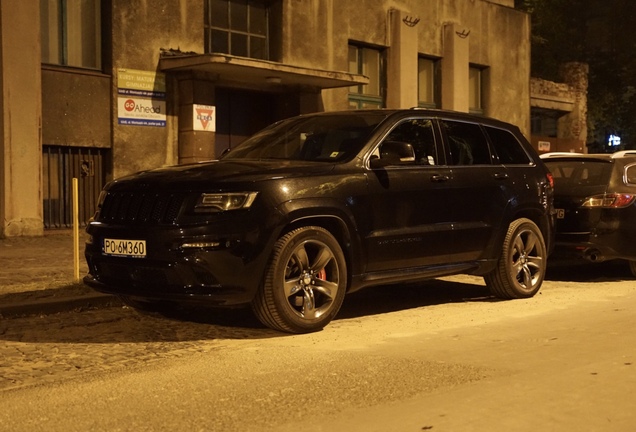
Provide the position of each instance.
(194, 145)
(574, 124)
(20, 120)
(402, 71)
(455, 68)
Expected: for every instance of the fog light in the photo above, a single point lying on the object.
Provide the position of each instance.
(200, 245)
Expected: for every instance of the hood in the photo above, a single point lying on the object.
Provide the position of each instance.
(223, 173)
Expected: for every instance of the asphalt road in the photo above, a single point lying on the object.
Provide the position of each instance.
(440, 356)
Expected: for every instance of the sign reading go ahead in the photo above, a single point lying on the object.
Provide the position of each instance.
(141, 98)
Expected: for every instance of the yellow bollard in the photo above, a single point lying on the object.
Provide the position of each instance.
(75, 231)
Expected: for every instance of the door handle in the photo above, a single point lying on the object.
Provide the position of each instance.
(500, 176)
(439, 178)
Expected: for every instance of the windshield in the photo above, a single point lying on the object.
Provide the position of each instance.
(315, 138)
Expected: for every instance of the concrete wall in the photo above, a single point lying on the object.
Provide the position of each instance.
(72, 107)
(76, 108)
(567, 101)
(461, 33)
(20, 120)
(138, 34)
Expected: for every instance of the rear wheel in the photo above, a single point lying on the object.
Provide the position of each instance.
(305, 282)
(632, 267)
(522, 264)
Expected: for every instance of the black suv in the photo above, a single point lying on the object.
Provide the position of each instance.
(319, 205)
(595, 200)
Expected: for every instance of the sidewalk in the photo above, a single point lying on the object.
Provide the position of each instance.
(37, 276)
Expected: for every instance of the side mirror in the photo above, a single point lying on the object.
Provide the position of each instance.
(394, 153)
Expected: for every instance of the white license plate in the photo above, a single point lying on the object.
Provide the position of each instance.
(125, 248)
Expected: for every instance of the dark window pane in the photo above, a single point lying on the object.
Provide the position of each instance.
(238, 15)
(258, 19)
(507, 147)
(258, 48)
(218, 13)
(239, 45)
(467, 143)
(220, 42)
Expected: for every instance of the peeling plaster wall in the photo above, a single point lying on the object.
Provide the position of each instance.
(138, 33)
(498, 40)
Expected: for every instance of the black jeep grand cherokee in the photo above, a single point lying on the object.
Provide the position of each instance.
(320, 205)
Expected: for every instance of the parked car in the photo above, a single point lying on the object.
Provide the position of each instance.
(320, 205)
(595, 200)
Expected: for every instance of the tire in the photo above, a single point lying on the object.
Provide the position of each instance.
(632, 267)
(522, 265)
(304, 284)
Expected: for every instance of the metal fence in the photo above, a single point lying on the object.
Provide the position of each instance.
(60, 165)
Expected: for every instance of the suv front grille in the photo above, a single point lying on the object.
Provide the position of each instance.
(142, 208)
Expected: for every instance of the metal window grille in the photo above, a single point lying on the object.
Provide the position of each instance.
(60, 165)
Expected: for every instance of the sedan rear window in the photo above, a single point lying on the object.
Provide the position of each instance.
(630, 175)
(579, 173)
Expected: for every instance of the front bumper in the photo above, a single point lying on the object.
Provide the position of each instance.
(226, 274)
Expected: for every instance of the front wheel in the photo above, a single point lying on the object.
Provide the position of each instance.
(522, 264)
(305, 282)
(632, 267)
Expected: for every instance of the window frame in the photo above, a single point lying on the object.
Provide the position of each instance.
(435, 85)
(479, 98)
(358, 99)
(209, 28)
(67, 46)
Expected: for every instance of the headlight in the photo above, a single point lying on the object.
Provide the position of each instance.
(225, 201)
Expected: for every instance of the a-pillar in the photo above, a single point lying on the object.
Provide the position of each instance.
(20, 120)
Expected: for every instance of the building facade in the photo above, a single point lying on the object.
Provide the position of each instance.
(99, 89)
(558, 111)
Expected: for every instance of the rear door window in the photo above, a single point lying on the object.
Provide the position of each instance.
(507, 147)
(467, 143)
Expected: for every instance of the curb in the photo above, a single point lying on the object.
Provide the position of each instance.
(56, 305)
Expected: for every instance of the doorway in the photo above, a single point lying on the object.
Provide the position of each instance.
(242, 113)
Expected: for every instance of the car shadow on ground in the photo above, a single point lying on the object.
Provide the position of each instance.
(117, 325)
(583, 271)
(393, 298)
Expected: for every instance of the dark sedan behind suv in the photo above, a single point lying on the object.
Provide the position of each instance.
(320, 205)
(595, 200)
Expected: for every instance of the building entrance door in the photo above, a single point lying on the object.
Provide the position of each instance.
(241, 113)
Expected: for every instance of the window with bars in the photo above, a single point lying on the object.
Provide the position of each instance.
(71, 33)
(369, 62)
(237, 27)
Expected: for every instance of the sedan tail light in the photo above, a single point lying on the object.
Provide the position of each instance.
(550, 178)
(611, 200)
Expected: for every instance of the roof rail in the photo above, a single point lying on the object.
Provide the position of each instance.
(553, 154)
(622, 153)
